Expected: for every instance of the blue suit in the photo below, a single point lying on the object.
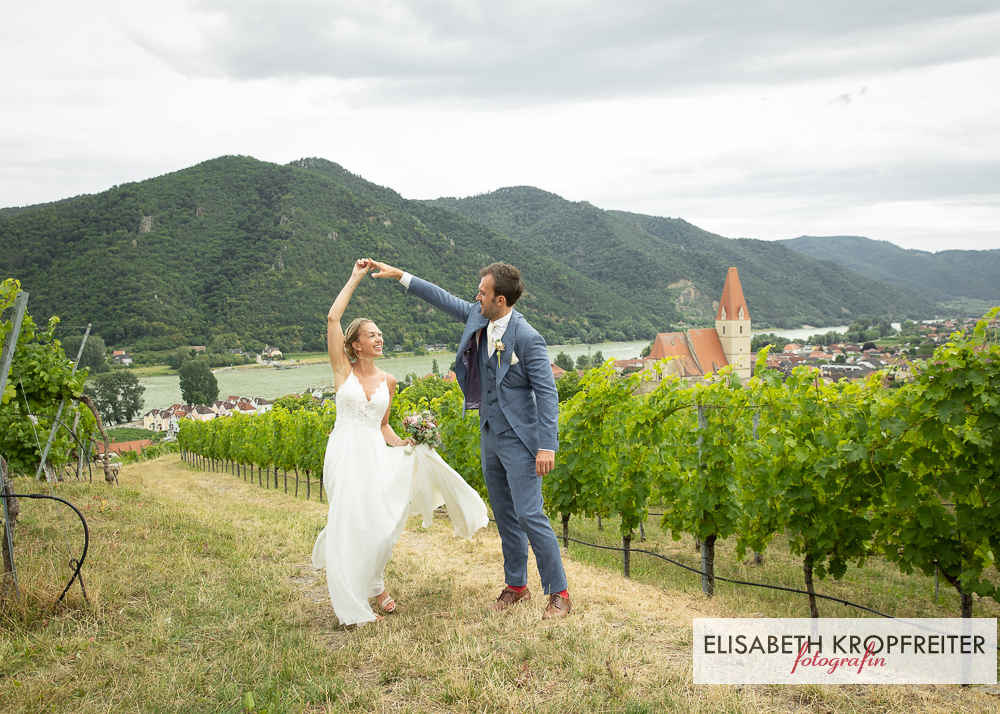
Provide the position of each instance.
(518, 415)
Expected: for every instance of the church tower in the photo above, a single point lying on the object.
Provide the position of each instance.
(732, 322)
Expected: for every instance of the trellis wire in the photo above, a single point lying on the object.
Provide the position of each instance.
(209, 464)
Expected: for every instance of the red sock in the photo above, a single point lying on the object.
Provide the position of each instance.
(564, 594)
(518, 589)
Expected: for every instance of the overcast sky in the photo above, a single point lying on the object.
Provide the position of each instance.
(762, 119)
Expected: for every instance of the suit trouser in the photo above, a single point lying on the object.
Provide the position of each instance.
(516, 499)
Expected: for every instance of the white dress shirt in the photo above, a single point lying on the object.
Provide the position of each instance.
(494, 332)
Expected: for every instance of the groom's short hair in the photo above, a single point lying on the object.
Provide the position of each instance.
(506, 281)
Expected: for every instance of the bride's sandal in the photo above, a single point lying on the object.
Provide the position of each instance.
(387, 605)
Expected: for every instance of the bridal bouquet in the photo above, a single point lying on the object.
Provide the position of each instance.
(423, 427)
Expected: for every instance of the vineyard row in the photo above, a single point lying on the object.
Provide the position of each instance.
(845, 471)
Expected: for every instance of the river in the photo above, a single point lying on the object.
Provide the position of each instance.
(269, 383)
(162, 391)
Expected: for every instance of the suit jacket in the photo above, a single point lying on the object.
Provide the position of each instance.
(526, 390)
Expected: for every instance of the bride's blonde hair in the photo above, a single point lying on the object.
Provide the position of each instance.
(351, 336)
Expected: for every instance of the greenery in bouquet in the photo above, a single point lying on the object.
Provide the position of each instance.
(423, 428)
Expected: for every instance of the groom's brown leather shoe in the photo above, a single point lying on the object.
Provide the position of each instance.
(509, 597)
(558, 606)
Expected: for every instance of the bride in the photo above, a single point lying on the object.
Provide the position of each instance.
(372, 490)
(362, 526)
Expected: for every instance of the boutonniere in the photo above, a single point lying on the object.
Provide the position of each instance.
(499, 347)
(513, 359)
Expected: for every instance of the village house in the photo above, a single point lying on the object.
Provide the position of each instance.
(262, 405)
(121, 357)
(838, 372)
(628, 365)
(202, 413)
(156, 419)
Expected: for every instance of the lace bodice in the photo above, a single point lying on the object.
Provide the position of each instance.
(354, 406)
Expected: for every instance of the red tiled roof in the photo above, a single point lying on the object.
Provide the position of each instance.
(123, 446)
(732, 298)
(708, 347)
(674, 344)
(557, 371)
(625, 363)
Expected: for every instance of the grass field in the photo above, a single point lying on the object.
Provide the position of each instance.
(202, 599)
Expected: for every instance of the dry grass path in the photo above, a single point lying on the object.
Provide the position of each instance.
(203, 599)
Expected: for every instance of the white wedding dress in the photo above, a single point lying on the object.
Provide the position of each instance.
(372, 490)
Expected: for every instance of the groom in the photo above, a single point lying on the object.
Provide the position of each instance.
(503, 369)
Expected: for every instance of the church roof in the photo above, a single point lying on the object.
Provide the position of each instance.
(697, 351)
(732, 298)
(674, 344)
(708, 349)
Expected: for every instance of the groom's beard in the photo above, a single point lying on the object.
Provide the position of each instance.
(489, 310)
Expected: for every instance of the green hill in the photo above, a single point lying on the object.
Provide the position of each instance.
(252, 252)
(665, 264)
(950, 275)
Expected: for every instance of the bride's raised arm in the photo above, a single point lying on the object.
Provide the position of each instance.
(334, 332)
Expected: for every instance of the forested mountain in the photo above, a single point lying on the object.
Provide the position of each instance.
(665, 264)
(945, 276)
(244, 252)
(253, 252)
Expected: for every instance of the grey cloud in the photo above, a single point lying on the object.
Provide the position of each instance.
(850, 96)
(972, 182)
(575, 50)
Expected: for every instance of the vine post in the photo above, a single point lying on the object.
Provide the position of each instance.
(708, 566)
(62, 405)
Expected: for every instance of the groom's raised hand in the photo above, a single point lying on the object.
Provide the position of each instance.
(386, 271)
